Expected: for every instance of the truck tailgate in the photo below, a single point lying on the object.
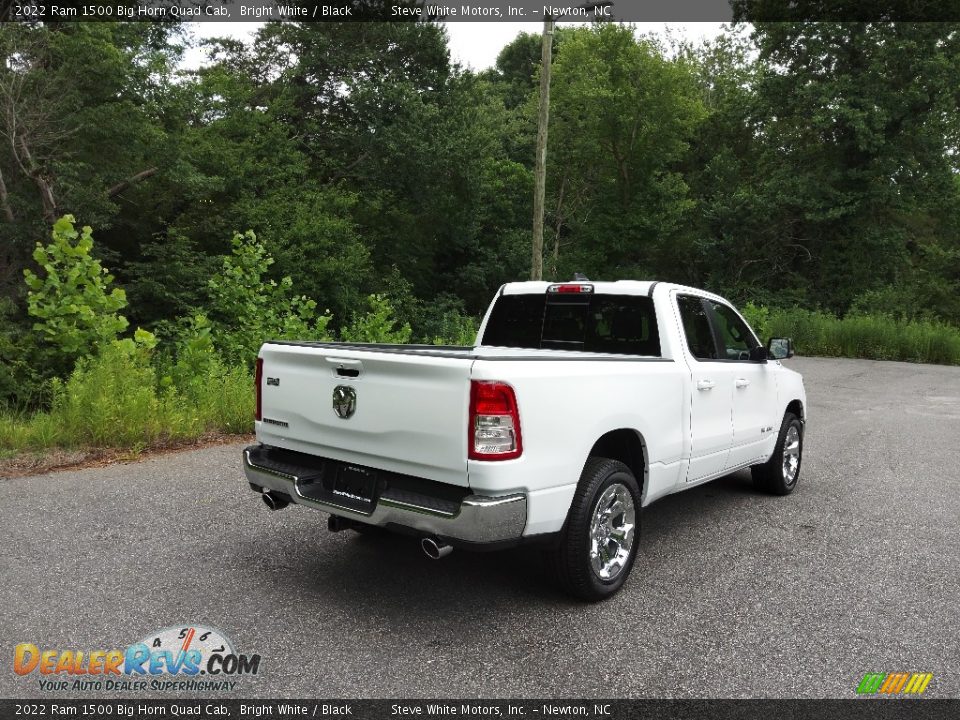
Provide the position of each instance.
(410, 409)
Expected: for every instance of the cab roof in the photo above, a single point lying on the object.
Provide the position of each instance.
(621, 287)
(603, 287)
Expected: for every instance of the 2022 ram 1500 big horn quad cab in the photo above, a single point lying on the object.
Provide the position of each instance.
(581, 403)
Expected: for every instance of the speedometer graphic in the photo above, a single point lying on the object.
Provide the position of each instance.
(180, 640)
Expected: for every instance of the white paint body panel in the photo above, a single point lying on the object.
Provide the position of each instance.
(410, 415)
(413, 405)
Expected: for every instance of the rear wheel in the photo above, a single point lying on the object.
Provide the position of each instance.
(779, 475)
(599, 543)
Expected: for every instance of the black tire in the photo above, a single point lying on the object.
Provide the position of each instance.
(774, 476)
(571, 560)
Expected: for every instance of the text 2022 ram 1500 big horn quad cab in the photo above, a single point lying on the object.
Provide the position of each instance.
(580, 403)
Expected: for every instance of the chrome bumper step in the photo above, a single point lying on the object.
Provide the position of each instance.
(431, 508)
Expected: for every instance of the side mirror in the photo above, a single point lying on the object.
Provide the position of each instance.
(759, 354)
(780, 348)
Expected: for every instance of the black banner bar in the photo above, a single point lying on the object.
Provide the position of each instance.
(479, 11)
(214, 709)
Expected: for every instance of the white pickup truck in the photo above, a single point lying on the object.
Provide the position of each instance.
(581, 403)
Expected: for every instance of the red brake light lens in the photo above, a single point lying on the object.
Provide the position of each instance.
(494, 422)
(257, 380)
(570, 289)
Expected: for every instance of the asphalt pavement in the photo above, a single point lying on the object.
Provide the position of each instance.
(734, 593)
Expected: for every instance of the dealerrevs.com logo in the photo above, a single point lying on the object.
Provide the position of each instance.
(175, 658)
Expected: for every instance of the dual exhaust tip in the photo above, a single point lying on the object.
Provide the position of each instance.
(275, 501)
(433, 547)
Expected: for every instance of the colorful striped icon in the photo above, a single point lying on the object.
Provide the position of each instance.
(894, 683)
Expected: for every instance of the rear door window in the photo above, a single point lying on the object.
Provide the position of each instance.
(614, 324)
(696, 326)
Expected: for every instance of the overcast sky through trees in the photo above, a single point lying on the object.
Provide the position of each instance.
(472, 44)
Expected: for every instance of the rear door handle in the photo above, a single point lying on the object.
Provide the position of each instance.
(742, 382)
(705, 384)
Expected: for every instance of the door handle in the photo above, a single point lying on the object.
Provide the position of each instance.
(705, 384)
(742, 382)
(345, 368)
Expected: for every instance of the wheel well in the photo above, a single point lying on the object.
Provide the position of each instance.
(796, 407)
(627, 447)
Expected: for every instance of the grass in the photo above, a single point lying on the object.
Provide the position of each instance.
(118, 401)
(875, 337)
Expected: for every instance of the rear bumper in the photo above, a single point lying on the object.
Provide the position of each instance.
(478, 519)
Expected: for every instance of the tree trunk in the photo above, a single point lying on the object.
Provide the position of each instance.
(43, 185)
(5, 200)
(556, 229)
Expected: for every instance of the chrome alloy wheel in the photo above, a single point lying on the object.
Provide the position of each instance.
(611, 531)
(791, 455)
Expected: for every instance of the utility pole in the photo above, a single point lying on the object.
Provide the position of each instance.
(540, 163)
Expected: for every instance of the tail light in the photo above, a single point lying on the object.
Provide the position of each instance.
(494, 429)
(570, 288)
(257, 381)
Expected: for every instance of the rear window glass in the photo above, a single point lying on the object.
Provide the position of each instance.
(616, 324)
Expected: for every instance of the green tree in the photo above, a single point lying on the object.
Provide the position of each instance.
(75, 309)
(82, 119)
(515, 71)
(249, 309)
(737, 245)
(622, 121)
(859, 127)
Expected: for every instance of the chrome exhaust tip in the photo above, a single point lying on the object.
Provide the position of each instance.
(434, 548)
(275, 501)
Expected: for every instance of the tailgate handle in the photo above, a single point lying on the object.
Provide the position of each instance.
(346, 368)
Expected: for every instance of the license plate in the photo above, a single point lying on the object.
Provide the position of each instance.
(354, 486)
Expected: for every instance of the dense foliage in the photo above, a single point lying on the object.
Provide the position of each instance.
(349, 181)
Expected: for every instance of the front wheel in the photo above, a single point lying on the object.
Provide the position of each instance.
(779, 475)
(599, 543)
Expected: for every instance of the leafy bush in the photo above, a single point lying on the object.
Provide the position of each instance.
(25, 365)
(758, 317)
(109, 400)
(456, 329)
(442, 320)
(377, 325)
(894, 301)
(115, 400)
(208, 394)
(75, 308)
(250, 308)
